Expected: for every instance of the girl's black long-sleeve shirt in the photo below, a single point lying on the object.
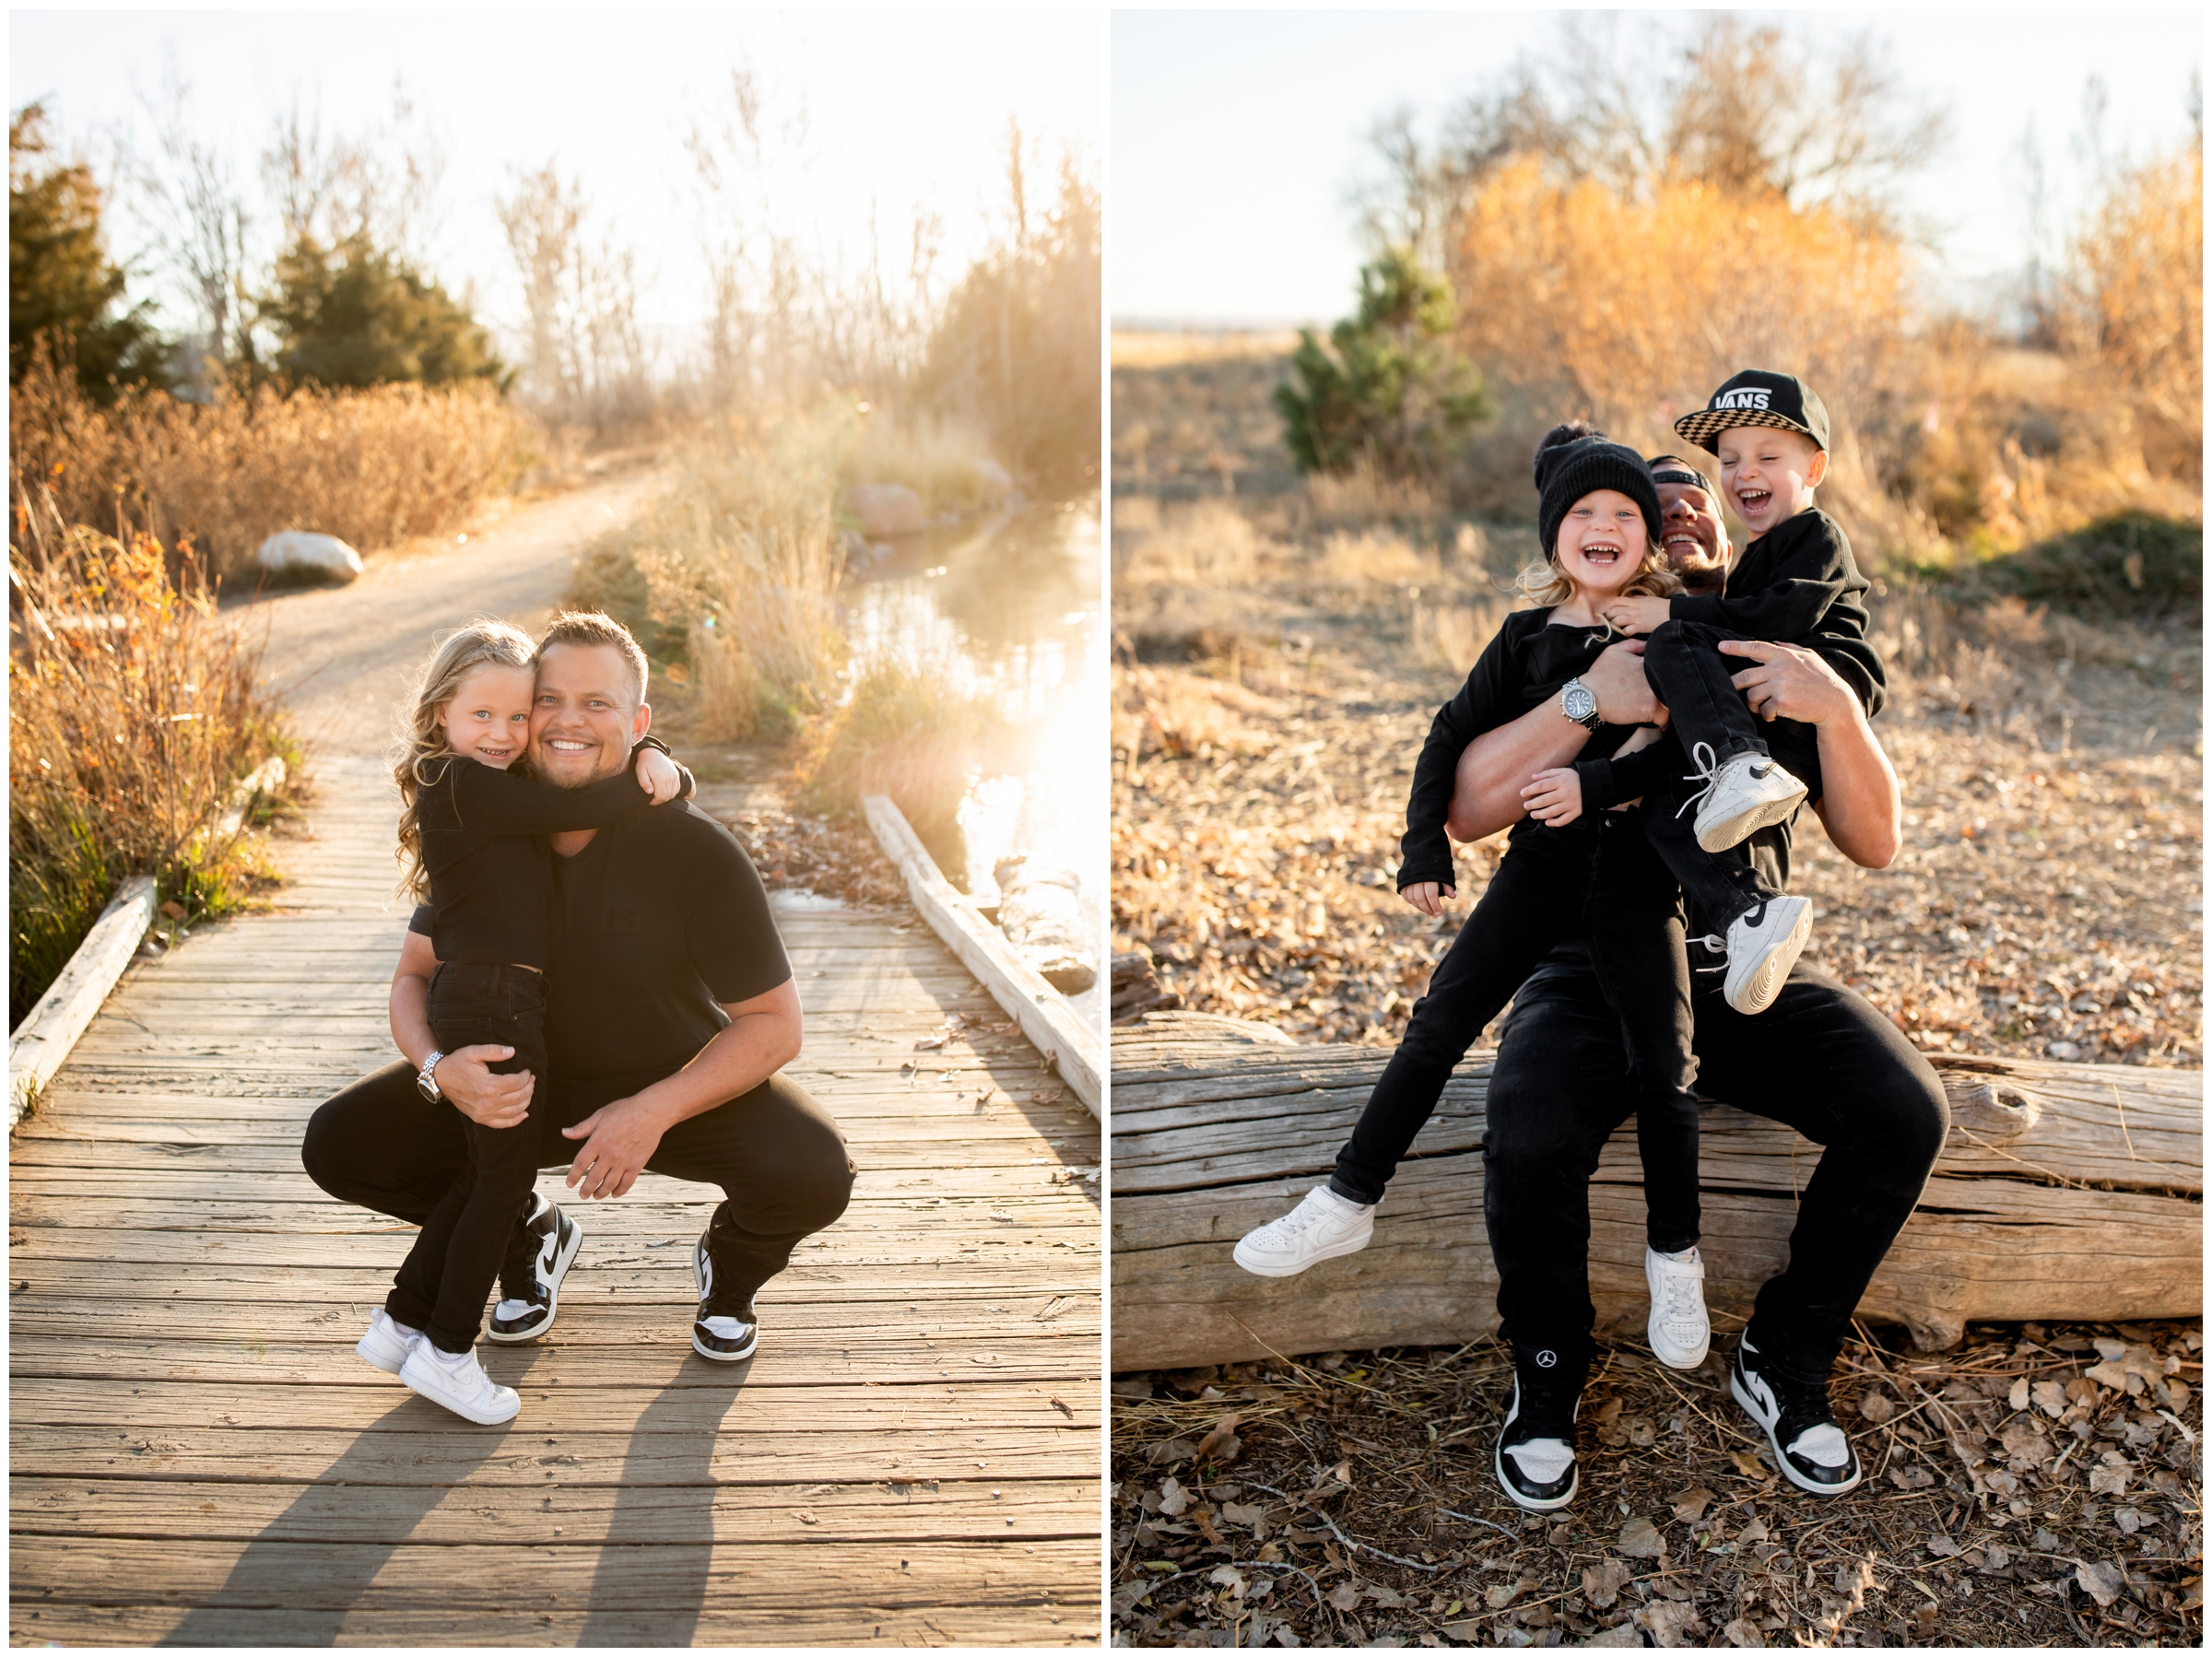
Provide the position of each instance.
(492, 883)
(1524, 665)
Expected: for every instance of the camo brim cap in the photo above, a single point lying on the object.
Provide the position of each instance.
(1757, 397)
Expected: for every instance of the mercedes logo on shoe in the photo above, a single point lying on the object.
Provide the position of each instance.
(1545, 1360)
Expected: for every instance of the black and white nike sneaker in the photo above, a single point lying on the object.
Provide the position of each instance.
(1811, 1449)
(724, 1328)
(530, 1283)
(1534, 1460)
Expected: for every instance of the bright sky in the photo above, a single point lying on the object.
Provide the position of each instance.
(1237, 134)
(905, 108)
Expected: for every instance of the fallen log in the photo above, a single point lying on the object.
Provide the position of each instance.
(2064, 1191)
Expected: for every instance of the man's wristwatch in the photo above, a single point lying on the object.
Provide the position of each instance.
(1579, 705)
(425, 1080)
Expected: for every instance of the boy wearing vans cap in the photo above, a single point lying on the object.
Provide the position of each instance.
(1796, 583)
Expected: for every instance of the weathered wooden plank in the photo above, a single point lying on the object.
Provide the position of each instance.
(520, 1515)
(38, 1047)
(431, 1452)
(667, 1393)
(1050, 1622)
(1071, 1046)
(2041, 1207)
(360, 1576)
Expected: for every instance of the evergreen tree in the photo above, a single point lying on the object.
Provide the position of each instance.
(352, 316)
(1385, 389)
(60, 284)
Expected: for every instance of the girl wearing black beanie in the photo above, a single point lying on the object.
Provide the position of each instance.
(1566, 874)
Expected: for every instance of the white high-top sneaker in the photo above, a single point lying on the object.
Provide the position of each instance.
(1320, 1227)
(460, 1384)
(1747, 792)
(387, 1342)
(1680, 1333)
(1762, 945)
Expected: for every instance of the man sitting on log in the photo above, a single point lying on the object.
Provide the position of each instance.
(1821, 1060)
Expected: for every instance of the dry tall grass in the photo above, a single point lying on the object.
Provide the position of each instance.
(370, 466)
(132, 708)
(912, 729)
(944, 460)
(734, 572)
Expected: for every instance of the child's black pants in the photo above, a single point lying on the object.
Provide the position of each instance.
(1600, 879)
(446, 1278)
(1686, 672)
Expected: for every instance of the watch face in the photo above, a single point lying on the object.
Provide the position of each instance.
(1581, 704)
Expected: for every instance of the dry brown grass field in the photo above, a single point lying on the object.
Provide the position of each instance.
(1280, 651)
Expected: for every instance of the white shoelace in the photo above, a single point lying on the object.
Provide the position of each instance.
(1708, 771)
(1310, 1212)
(1685, 1300)
(1713, 942)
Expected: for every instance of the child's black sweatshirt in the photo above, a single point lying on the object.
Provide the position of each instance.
(491, 885)
(1524, 666)
(1795, 580)
(1796, 585)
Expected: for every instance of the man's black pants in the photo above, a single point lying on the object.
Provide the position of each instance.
(777, 1156)
(1599, 878)
(1820, 1059)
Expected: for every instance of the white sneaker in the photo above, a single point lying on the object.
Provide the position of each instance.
(387, 1343)
(1679, 1331)
(459, 1384)
(1320, 1227)
(1747, 792)
(1763, 945)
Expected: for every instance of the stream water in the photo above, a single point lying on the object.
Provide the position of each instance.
(1010, 607)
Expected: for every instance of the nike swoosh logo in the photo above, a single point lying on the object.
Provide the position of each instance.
(1763, 772)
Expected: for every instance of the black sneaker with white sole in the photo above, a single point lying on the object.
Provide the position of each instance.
(1535, 1459)
(530, 1282)
(1811, 1449)
(724, 1328)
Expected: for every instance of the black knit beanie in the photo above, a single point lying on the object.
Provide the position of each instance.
(1575, 459)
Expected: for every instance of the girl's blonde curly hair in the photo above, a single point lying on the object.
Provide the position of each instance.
(420, 752)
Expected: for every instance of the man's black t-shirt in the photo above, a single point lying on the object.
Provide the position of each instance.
(655, 922)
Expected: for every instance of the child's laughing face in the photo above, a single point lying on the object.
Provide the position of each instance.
(488, 719)
(1768, 474)
(1602, 543)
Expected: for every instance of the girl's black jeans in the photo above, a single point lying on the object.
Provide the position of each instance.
(442, 1285)
(1598, 878)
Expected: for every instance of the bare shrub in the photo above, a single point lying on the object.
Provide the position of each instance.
(132, 708)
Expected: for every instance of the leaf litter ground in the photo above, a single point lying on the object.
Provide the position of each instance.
(2035, 1487)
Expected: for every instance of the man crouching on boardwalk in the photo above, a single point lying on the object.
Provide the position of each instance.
(670, 1011)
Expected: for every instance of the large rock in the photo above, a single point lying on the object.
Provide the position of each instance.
(1043, 918)
(297, 555)
(887, 509)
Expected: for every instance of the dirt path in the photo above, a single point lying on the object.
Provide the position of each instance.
(343, 656)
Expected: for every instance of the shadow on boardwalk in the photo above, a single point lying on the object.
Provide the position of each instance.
(199, 1457)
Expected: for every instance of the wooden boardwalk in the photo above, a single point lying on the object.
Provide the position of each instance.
(199, 1457)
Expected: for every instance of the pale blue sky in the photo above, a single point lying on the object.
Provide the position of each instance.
(1235, 133)
(907, 107)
